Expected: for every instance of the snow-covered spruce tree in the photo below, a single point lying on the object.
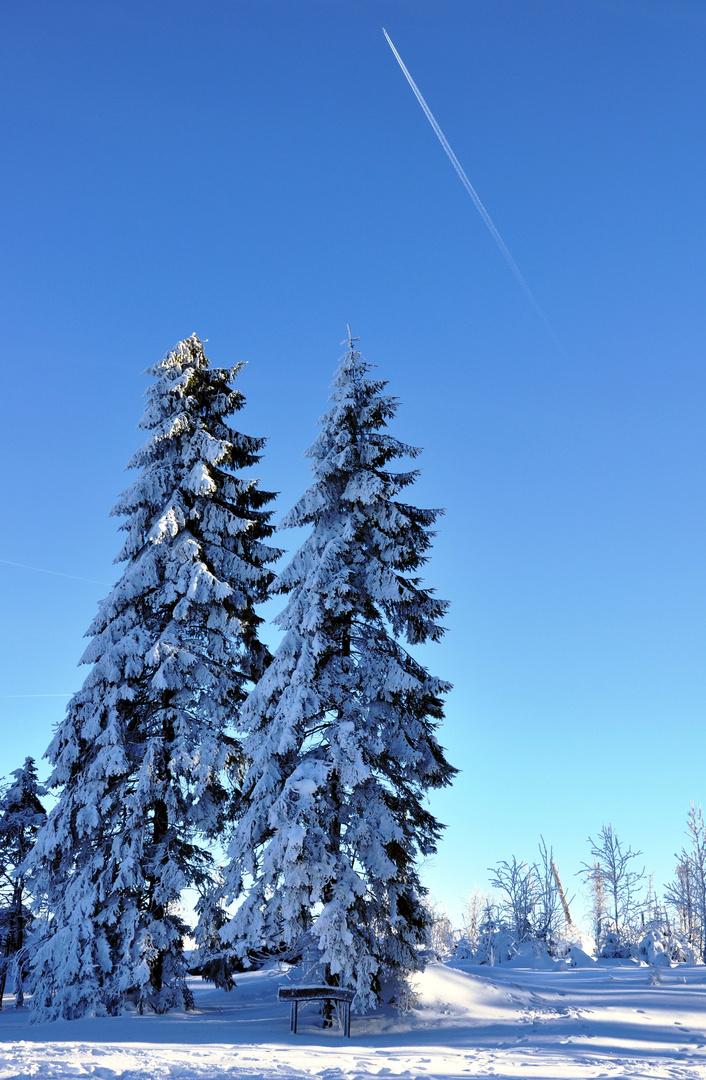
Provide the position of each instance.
(21, 817)
(341, 726)
(146, 756)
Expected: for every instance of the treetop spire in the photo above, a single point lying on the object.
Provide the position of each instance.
(350, 339)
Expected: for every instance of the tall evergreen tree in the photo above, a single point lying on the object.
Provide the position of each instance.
(341, 725)
(146, 756)
(21, 817)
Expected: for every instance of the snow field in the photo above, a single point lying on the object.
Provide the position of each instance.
(608, 1020)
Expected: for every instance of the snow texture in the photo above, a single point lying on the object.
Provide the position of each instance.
(553, 1024)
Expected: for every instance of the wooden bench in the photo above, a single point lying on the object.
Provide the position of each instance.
(295, 994)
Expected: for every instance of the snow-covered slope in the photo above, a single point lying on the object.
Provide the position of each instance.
(509, 1021)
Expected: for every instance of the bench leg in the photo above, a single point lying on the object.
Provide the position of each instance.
(294, 1009)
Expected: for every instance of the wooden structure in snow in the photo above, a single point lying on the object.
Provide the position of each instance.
(295, 994)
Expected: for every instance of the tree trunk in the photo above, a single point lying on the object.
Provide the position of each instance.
(14, 940)
(615, 905)
(19, 938)
(329, 891)
(160, 829)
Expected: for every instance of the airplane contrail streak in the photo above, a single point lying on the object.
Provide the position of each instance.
(6, 697)
(469, 186)
(55, 573)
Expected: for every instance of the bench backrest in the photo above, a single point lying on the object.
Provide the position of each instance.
(312, 993)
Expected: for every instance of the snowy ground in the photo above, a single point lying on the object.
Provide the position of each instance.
(509, 1021)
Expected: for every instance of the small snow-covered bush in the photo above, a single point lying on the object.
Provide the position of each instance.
(690, 953)
(612, 948)
(465, 950)
(662, 949)
(491, 946)
(578, 957)
(495, 947)
(566, 941)
(655, 948)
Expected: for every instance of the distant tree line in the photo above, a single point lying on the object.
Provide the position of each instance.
(628, 919)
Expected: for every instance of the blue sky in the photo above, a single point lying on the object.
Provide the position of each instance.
(259, 173)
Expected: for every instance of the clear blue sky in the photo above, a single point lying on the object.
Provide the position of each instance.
(260, 173)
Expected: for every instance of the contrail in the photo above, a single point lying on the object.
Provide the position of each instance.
(56, 573)
(469, 188)
(4, 697)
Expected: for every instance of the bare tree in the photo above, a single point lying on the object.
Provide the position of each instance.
(682, 895)
(552, 907)
(687, 892)
(611, 871)
(441, 933)
(476, 912)
(531, 902)
(516, 883)
(598, 903)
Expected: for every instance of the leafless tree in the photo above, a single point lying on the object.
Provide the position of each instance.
(597, 900)
(441, 934)
(478, 909)
(687, 892)
(531, 902)
(610, 870)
